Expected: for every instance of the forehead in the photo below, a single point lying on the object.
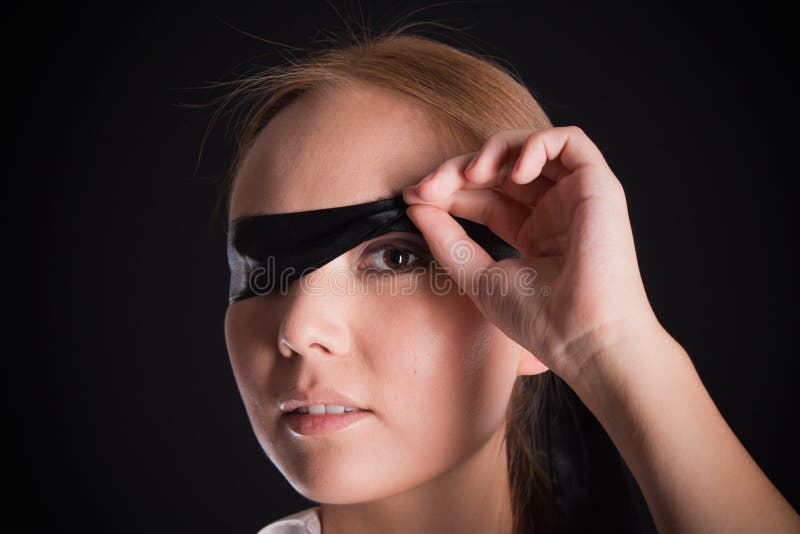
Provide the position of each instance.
(338, 146)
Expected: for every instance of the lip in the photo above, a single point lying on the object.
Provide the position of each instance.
(319, 395)
(320, 425)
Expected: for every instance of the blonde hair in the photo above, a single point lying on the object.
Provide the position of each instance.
(474, 97)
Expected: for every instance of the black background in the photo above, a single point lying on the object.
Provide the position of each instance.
(124, 409)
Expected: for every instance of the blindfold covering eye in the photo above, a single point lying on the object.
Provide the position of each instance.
(266, 253)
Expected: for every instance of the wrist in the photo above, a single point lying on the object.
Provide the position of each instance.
(610, 360)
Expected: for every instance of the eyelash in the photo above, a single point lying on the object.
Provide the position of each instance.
(404, 246)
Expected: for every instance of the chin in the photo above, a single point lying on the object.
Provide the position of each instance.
(339, 487)
(334, 471)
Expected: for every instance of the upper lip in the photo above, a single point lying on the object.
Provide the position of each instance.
(298, 398)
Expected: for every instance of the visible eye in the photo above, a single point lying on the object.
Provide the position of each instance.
(398, 256)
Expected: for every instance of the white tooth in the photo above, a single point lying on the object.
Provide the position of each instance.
(316, 409)
(334, 408)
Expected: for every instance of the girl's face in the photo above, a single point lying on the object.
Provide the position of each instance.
(435, 374)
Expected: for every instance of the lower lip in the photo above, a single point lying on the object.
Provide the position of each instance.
(319, 425)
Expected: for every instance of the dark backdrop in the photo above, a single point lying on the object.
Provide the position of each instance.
(125, 415)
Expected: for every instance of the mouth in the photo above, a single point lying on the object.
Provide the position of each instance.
(324, 409)
(317, 420)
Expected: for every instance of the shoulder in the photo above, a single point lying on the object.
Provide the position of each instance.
(303, 522)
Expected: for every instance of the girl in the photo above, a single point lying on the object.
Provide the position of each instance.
(414, 410)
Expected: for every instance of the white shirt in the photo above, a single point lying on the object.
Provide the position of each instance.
(303, 522)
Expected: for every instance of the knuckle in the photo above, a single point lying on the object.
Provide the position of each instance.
(451, 165)
(612, 187)
(496, 140)
(576, 130)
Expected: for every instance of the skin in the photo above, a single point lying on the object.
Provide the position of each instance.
(435, 371)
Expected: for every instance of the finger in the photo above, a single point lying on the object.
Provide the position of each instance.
(567, 144)
(461, 257)
(499, 151)
(528, 194)
(499, 157)
(552, 153)
(500, 213)
(450, 177)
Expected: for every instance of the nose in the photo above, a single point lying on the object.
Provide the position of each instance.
(314, 322)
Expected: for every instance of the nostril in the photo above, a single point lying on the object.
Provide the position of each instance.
(320, 348)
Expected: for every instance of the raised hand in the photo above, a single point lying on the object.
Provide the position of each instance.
(550, 194)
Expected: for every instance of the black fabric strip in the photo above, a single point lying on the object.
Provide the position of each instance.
(267, 252)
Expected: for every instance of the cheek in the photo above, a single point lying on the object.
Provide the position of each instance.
(247, 329)
(443, 379)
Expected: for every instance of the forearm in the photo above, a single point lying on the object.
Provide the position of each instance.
(694, 473)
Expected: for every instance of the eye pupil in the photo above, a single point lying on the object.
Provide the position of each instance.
(396, 256)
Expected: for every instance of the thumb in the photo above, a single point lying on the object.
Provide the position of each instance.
(458, 254)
